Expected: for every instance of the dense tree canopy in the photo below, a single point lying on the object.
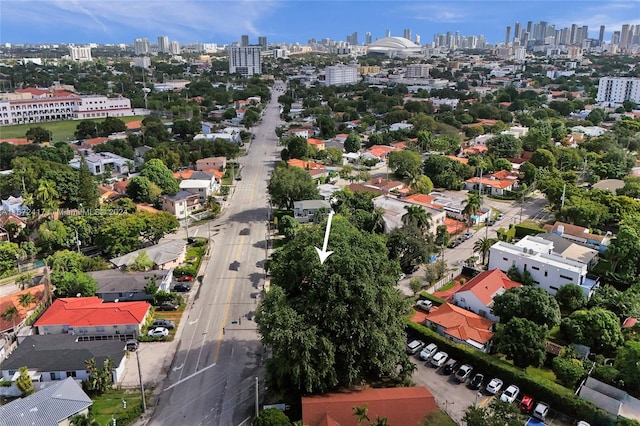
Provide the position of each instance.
(530, 302)
(344, 317)
(597, 328)
(522, 341)
(290, 184)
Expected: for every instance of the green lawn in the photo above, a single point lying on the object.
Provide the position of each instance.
(447, 286)
(439, 418)
(109, 405)
(61, 130)
(544, 373)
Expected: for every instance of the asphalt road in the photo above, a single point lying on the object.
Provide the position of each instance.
(212, 377)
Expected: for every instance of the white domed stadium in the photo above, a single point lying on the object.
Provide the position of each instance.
(394, 47)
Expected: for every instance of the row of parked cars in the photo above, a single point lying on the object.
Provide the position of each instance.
(463, 373)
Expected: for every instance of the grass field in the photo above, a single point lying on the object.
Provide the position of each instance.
(61, 130)
(109, 404)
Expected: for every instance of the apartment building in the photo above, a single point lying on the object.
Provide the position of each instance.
(341, 74)
(548, 269)
(80, 53)
(245, 60)
(417, 71)
(612, 91)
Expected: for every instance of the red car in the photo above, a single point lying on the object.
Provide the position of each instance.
(185, 278)
(526, 405)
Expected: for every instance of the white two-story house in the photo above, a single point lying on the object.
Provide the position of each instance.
(202, 184)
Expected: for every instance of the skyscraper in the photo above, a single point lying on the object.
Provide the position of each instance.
(262, 41)
(601, 35)
(163, 44)
(529, 27)
(141, 46)
(406, 34)
(245, 60)
(388, 33)
(244, 40)
(625, 36)
(572, 37)
(507, 36)
(367, 38)
(516, 31)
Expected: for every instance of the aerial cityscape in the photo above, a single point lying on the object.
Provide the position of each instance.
(319, 213)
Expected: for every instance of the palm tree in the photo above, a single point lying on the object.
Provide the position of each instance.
(361, 413)
(46, 194)
(10, 314)
(380, 421)
(417, 216)
(483, 245)
(377, 220)
(472, 206)
(26, 299)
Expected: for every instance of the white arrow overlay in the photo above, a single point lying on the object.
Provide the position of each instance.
(324, 254)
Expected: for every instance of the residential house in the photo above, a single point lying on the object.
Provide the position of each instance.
(548, 269)
(89, 316)
(394, 209)
(400, 126)
(305, 211)
(99, 163)
(13, 301)
(454, 206)
(54, 405)
(182, 204)
(164, 256)
(217, 163)
(477, 294)
(139, 152)
(299, 131)
(380, 152)
(316, 144)
(384, 185)
(571, 250)
(117, 285)
(461, 326)
(400, 406)
(341, 137)
(326, 191)
(107, 194)
(11, 222)
(121, 187)
(315, 170)
(580, 235)
(15, 205)
(614, 401)
(498, 183)
(58, 357)
(202, 184)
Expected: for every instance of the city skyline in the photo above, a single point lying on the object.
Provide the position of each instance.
(223, 22)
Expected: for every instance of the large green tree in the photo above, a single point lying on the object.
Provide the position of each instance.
(597, 328)
(522, 341)
(408, 246)
(405, 163)
(88, 194)
(325, 312)
(140, 188)
(156, 171)
(353, 143)
(290, 184)
(530, 302)
(497, 413)
(504, 146)
(70, 284)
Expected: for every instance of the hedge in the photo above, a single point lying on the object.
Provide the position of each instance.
(524, 229)
(540, 388)
(436, 300)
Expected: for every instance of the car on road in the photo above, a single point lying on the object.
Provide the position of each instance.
(476, 381)
(182, 288)
(467, 235)
(494, 386)
(414, 347)
(161, 322)
(185, 278)
(438, 359)
(453, 244)
(450, 367)
(541, 410)
(510, 394)
(132, 345)
(526, 405)
(491, 222)
(463, 373)
(158, 332)
(500, 217)
(168, 306)
(424, 305)
(428, 351)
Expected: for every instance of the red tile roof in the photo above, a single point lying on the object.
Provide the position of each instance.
(90, 311)
(459, 159)
(461, 324)
(487, 284)
(401, 406)
(313, 141)
(381, 151)
(423, 200)
(121, 186)
(183, 174)
(96, 141)
(307, 165)
(13, 300)
(494, 183)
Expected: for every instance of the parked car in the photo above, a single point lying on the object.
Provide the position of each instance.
(463, 373)
(428, 351)
(453, 244)
(161, 322)
(541, 411)
(500, 217)
(414, 347)
(132, 345)
(494, 386)
(582, 423)
(158, 332)
(450, 367)
(168, 306)
(510, 394)
(467, 235)
(424, 305)
(491, 222)
(526, 405)
(402, 276)
(182, 288)
(438, 359)
(476, 381)
(184, 278)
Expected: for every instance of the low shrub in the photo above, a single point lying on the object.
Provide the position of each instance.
(436, 300)
(525, 228)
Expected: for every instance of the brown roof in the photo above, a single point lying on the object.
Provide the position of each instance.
(13, 300)
(401, 406)
(461, 324)
(575, 230)
(356, 187)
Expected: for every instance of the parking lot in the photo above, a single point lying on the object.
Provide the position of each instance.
(454, 397)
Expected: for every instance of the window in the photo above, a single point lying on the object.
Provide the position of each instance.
(553, 288)
(100, 329)
(566, 278)
(505, 259)
(71, 374)
(536, 282)
(535, 268)
(546, 273)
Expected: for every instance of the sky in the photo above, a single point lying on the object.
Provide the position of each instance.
(222, 22)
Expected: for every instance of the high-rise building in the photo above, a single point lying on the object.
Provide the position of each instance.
(615, 37)
(141, 46)
(625, 36)
(406, 33)
(245, 60)
(417, 39)
(262, 41)
(507, 36)
(572, 37)
(80, 53)
(341, 74)
(516, 32)
(367, 38)
(525, 38)
(163, 44)
(612, 91)
(244, 40)
(388, 33)
(174, 48)
(417, 71)
(601, 34)
(529, 27)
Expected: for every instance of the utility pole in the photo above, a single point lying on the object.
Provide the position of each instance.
(144, 401)
(257, 399)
